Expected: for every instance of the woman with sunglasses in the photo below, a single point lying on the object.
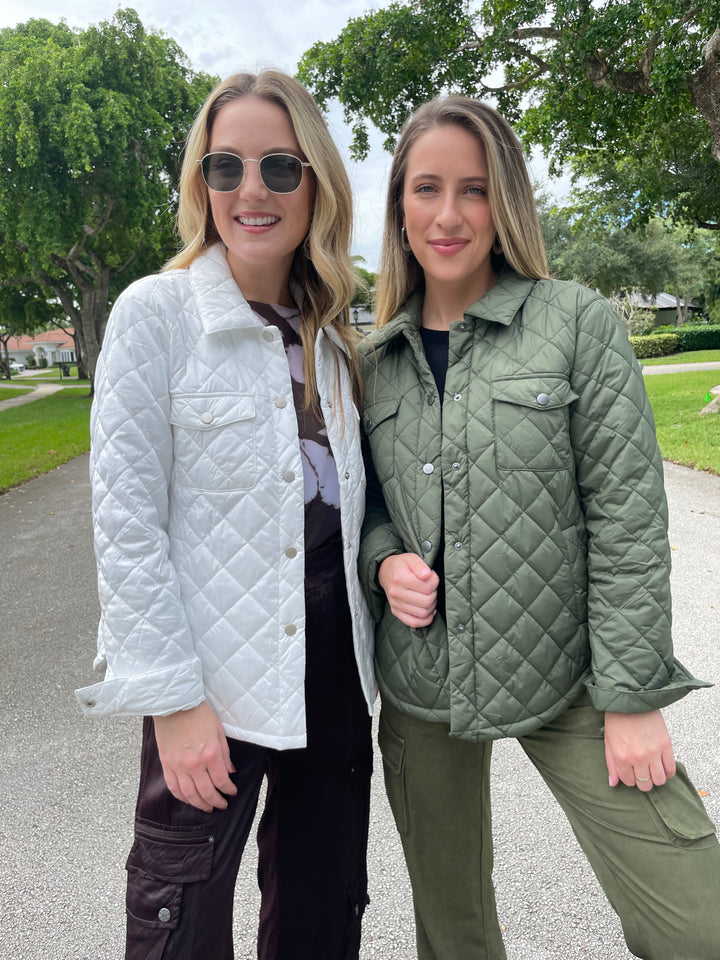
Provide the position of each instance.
(515, 556)
(228, 491)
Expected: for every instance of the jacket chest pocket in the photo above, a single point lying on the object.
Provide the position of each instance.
(214, 442)
(531, 422)
(379, 426)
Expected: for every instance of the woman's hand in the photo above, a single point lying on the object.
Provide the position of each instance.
(638, 750)
(195, 757)
(411, 588)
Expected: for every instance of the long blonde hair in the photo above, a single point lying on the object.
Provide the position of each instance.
(322, 266)
(511, 199)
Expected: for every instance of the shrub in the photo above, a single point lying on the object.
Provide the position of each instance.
(42, 362)
(656, 345)
(699, 338)
(30, 361)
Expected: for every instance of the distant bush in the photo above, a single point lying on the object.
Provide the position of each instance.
(42, 362)
(699, 338)
(656, 345)
(30, 361)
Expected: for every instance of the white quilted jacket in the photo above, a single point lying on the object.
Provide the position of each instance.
(199, 513)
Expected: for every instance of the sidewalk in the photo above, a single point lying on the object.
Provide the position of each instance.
(680, 367)
(67, 784)
(42, 390)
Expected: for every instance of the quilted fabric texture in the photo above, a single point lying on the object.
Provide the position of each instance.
(198, 507)
(542, 469)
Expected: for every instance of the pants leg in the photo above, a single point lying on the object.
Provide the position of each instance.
(655, 854)
(313, 832)
(439, 792)
(184, 862)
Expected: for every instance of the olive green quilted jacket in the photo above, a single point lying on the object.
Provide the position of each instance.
(541, 480)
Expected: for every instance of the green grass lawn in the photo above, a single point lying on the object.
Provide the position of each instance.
(683, 435)
(7, 393)
(692, 356)
(37, 436)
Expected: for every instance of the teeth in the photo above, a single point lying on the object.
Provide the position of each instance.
(257, 221)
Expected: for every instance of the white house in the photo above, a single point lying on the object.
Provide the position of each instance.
(54, 346)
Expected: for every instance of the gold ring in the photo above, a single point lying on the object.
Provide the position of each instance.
(641, 779)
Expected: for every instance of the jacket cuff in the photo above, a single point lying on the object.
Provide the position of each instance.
(149, 694)
(613, 700)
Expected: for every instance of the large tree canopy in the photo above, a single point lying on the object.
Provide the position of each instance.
(91, 130)
(627, 92)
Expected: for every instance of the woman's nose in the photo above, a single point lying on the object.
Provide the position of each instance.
(448, 212)
(252, 184)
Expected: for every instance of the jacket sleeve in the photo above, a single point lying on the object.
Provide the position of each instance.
(620, 477)
(143, 637)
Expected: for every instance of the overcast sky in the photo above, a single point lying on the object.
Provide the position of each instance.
(221, 37)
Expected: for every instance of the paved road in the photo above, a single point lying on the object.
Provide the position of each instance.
(67, 784)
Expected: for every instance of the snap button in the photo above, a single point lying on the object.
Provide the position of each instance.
(206, 416)
(280, 402)
(430, 399)
(461, 628)
(268, 335)
(463, 327)
(458, 396)
(347, 476)
(456, 466)
(291, 553)
(89, 703)
(428, 468)
(291, 629)
(163, 914)
(288, 476)
(543, 399)
(458, 545)
(368, 423)
(426, 546)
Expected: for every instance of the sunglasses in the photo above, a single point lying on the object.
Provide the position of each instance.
(280, 172)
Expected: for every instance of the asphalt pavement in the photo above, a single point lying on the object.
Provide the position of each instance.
(67, 784)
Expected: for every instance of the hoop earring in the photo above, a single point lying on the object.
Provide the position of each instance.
(497, 246)
(404, 242)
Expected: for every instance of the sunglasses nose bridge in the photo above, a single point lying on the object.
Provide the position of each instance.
(252, 180)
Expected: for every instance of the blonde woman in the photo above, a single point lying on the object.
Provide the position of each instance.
(228, 492)
(515, 556)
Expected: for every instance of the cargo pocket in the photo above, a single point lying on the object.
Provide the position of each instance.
(160, 863)
(392, 748)
(680, 812)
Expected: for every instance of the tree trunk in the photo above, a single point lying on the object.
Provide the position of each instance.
(705, 89)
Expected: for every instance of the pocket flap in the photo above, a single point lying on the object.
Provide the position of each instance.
(207, 411)
(179, 856)
(377, 413)
(539, 391)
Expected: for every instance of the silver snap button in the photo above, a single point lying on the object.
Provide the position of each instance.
(426, 546)
(206, 417)
(458, 396)
(268, 335)
(347, 476)
(163, 914)
(428, 468)
(430, 399)
(288, 476)
(291, 553)
(280, 402)
(458, 545)
(456, 466)
(543, 399)
(291, 629)
(368, 423)
(461, 628)
(89, 703)
(463, 327)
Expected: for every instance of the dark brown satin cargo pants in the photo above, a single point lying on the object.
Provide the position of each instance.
(312, 836)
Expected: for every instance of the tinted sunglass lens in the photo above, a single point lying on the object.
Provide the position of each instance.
(222, 172)
(281, 172)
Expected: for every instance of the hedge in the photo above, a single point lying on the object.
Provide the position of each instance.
(681, 340)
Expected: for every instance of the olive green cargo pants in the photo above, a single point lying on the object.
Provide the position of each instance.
(655, 853)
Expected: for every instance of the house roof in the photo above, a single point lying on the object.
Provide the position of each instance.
(50, 338)
(663, 301)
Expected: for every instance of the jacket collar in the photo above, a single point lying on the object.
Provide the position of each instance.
(499, 305)
(220, 301)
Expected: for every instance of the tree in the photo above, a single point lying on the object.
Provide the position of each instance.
(22, 311)
(627, 91)
(91, 129)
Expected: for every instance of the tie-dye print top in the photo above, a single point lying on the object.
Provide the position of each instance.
(322, 490)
